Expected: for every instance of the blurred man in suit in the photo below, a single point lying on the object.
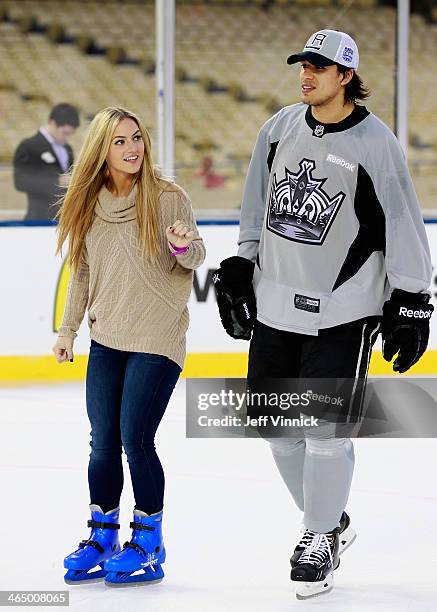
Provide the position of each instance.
(41, 162)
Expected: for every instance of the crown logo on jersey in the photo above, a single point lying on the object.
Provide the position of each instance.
(299, 209)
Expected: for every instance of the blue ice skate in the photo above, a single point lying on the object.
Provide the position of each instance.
(84, 563)
(140, 560)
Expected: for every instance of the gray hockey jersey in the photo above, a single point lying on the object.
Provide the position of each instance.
(331, 217)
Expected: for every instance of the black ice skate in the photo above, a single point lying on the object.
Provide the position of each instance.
(347, 537)
(313, 574)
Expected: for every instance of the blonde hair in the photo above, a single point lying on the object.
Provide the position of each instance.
(90, 173)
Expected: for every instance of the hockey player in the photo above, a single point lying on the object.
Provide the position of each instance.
(332, 250)
(133, 248)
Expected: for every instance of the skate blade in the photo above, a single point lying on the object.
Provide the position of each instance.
(346, 538)
(85, 581)
(73, 577)
(121, 585)
(306, 590)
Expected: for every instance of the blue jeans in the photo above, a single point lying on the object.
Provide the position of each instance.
(126, 395)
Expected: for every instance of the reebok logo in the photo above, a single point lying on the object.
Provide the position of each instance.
(414, 314)
(325, 399)
(246, 310)
(341, 162)
(303, 302)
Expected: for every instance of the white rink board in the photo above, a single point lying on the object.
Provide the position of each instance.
(29, 276)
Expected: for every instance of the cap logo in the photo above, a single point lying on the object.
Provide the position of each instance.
(316, 42)
(348, 54)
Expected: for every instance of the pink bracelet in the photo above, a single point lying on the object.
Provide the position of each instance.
(177, 250)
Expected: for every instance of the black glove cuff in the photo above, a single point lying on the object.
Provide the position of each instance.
(406, 297)
(237, 270)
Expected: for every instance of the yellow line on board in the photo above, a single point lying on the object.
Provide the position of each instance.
(27, 370)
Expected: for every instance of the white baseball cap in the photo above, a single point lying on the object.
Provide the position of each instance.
(327, 47)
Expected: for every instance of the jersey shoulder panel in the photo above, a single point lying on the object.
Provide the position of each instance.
(383, 152)
(283, 120)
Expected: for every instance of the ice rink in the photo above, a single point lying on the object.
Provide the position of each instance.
(229, 523)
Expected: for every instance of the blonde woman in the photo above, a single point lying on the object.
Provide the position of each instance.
(133, 245)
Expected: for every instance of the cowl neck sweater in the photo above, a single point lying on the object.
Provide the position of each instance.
(116, 209)
(134, 304)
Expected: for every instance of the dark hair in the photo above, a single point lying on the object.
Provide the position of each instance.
(355, 89)
(65, 114)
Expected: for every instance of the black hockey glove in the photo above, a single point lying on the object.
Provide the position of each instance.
(235, 296)
(405, 328)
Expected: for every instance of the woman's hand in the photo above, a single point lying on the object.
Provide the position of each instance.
(63, 349)
(179, 234)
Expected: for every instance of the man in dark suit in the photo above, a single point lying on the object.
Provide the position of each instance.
(41, 163)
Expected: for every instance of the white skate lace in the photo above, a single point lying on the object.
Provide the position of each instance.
(319, 549)
(306, 538)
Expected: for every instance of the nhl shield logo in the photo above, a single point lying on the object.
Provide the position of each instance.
(299, 209)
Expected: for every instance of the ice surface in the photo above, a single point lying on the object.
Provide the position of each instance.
(229, 523)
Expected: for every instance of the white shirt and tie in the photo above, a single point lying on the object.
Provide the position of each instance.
(59, 149)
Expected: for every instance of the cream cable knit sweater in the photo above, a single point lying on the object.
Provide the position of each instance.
(133, 305)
